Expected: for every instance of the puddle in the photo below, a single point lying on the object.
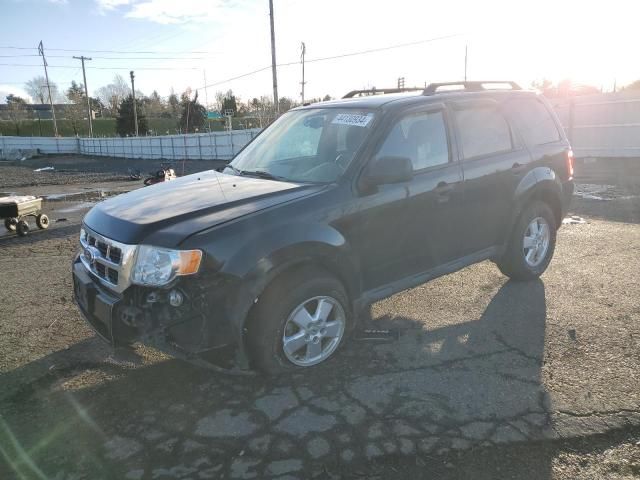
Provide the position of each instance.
(592, 191)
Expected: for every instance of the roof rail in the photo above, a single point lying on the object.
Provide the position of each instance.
(474, 86)
(380, 91)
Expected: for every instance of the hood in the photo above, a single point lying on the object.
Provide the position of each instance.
(166, 213)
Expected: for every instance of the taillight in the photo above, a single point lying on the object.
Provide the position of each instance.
(570, 164)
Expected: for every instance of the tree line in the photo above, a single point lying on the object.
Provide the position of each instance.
(115, 100)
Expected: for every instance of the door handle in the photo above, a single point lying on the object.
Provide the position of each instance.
(517, 168)
(443, 189)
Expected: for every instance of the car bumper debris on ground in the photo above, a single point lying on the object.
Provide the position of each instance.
(487, 378)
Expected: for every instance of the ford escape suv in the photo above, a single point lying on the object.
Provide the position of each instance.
(334, 206)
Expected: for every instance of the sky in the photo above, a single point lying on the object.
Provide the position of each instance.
(178, 43)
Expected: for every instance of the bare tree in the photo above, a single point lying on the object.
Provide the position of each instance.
(17, 110)
(76, 111)
(37, 90)
(111, 95)
(220, 96)
(263, 109)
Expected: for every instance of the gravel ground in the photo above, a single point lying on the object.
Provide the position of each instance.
(488, 378)
(76, 169)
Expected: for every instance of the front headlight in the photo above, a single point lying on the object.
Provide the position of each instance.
(157, 266)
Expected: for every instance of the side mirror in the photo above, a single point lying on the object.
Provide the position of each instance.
(385, 170)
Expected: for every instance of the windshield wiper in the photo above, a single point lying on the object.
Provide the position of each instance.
(261, 174)
(255, 173)
(235, 170)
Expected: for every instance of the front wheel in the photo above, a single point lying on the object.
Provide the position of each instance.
(42, 221)
(300, 321)
(532, 243)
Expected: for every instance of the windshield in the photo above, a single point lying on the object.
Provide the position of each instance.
(312, 145)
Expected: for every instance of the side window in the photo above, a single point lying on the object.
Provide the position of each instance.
(534, 121)
(421, 137)
(483, 131)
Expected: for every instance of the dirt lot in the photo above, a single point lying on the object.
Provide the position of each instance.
(488, 378)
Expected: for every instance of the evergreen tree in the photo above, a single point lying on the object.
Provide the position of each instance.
(125, 125)
(193, 116)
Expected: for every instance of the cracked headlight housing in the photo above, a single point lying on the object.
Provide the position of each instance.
(156, 267)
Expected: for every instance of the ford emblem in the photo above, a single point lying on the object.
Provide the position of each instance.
(90, 255)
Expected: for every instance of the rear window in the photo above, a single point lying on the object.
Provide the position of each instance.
(483, 131)
(534, 121)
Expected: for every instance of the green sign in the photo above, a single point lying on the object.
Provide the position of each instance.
(214, 116)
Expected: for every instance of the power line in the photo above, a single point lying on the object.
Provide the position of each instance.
(111, 58)
(322, 59)
(149, 52)
(99, 68)
(372, 50)
(235, 78)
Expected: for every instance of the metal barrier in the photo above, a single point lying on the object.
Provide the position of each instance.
(602, 125)
(199, 146)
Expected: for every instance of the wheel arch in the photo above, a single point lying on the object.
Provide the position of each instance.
(542, 184)
(310, 246)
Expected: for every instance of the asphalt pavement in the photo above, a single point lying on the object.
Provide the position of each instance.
(517, 380)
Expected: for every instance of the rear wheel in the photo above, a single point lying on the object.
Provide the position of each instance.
(22, 228)
(532, 243)
(300, 321)
(10, 224)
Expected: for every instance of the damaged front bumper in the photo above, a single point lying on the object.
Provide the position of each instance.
(145, 315)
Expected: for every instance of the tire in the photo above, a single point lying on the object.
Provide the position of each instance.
(271, 322)
(42, 221)
(526, 262)
(22, 228)
(10, 224)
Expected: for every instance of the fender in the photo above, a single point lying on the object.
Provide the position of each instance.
(538, 182)
(258, 263)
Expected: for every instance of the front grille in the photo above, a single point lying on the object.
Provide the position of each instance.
(115, 254)
(112, 275)
(107, 259)
(101, 270)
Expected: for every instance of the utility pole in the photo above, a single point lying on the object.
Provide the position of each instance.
(135, 109)
(304, 51)
(53, 112)
(273, 60)
(206, 98)
(82, 58)
(465, 63)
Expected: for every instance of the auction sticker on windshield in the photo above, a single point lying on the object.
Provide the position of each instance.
(353, 119)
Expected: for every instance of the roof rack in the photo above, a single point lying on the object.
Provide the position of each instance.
(381, 91)
(474, 86)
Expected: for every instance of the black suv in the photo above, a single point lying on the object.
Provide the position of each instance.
(334, 206)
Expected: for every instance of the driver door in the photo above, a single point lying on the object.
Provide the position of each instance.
(411, 227)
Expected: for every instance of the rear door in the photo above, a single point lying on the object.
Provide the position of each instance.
(539, 132)
(494, 162)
